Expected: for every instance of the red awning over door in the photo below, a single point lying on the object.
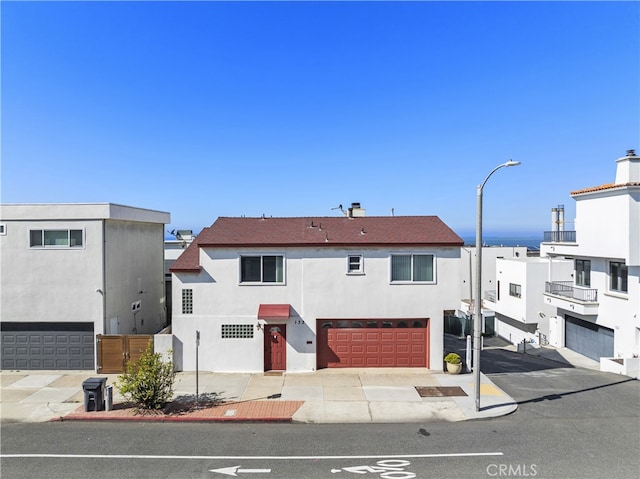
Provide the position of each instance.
(273, 311)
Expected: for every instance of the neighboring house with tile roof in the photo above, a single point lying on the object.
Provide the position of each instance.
(298, 294)
(589, 289)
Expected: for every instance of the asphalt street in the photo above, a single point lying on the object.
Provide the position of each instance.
(570, 423)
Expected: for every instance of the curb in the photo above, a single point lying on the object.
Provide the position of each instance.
(280, 420)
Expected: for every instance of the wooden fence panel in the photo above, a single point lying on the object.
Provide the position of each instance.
(115, 350)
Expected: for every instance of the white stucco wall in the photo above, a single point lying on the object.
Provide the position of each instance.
(85, 284)
(603, 225)
(134, 260)
(608, 229)
(529, 309)
(51, 284)
(489, 256)
(316, 286)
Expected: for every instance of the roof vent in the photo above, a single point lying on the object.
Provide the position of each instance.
(631, 152)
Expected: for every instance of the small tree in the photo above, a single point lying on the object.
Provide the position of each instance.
(148, 382)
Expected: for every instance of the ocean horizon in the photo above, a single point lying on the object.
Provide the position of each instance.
(530, 241)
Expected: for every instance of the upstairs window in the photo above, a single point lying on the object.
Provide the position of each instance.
(412, 268)
(262, 269)
(56, 239)
(515, 290)
(618, 277)
(355, 264)
(583, 272)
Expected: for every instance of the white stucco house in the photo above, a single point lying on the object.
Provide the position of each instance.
(599, 310)
(71, 271)
(173, 248)
(490, 255)
(586, 284)
(521, 314)
(298, 294)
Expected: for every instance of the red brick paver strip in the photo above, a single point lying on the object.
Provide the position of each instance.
(271, 411)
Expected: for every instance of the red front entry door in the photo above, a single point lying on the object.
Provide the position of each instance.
(275, 347)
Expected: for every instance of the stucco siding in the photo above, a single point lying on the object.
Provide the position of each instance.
(51, 284)
(134, 259)
(316, 286)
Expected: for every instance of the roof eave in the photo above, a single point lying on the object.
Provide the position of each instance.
(186, 270)
(331, 244)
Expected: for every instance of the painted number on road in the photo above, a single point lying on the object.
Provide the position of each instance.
(388, 469)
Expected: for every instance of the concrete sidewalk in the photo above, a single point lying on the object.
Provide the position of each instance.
(384, 395)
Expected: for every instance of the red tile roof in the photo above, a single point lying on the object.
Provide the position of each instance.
(372, 231)
(607, 186)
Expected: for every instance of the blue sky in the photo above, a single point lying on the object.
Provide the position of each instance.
(207, 109)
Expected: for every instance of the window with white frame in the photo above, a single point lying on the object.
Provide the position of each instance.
(618, 276)
(187, 301)
(355, 264)
(583, 272)
(59, 238)
(262, 269)
(3, 229)
(412, 268)
(515, 290)
(237, 331)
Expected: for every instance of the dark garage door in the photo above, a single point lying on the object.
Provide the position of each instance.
(588, 339)
(373, 343)
(33, 346)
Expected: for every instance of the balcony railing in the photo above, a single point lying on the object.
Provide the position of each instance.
(559, 237)
(568, 290)
(490, 296)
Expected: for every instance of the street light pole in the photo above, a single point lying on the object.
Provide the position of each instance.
(477, 320)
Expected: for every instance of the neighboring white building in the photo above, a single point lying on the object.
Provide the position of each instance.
(599, 310)
(490, 255)
(72, 271)
(298, 294)
(591, 276)
(521, 314)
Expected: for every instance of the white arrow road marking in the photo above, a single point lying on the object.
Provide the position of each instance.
(234, 470)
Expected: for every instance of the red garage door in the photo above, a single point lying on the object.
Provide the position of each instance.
(373, 343)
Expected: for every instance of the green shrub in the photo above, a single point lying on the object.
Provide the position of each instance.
(453, 358)
(148, 382)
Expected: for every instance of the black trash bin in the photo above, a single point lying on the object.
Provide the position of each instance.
(94, 394)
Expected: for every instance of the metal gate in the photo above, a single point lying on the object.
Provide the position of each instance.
(116, 350)
(588, 339)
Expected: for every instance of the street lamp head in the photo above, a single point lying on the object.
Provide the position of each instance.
(511, 163)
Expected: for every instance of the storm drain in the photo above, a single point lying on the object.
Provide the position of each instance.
(440, 391)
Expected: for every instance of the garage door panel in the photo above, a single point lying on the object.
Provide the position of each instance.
(38, 346)
(588, 339)
(373, 347)
(372, 362)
